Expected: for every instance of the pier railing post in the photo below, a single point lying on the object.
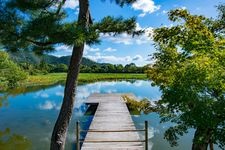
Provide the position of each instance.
(77, 136)
(146, 135)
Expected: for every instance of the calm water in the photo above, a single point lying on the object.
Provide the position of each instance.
(27, 119)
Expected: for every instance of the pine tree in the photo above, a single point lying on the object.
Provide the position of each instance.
(38, 26)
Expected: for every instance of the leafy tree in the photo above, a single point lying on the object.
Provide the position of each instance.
(44, 66)
(119, 68)
(131, 68)
(10, 73)
(85, 69)
(189, 68)
(111, 68)
(95, 68)
(40, 25)
(60, 68)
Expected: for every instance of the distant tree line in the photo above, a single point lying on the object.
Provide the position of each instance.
(13, 71)
(43, 64)
(44, 68)
(110, 68)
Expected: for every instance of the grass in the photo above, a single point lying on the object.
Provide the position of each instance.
(54, 78)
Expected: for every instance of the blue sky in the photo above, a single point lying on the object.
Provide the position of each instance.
(150, 14)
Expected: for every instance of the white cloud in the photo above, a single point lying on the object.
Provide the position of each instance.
(122, 38)
(72, 4)
(91, 49)
(179, 6)
(183, 7)
(77, 11)
(101, 58)
(59, 93)
(109, 49)
(109, 58)
(96, 54)
(128, 39)
(88, 49)
(148, 59)
(49, 105)
(146, 6)
(138, 83)
(164, 11)
(41, 95)
(63, 48)
(137, 57)
(44, 95)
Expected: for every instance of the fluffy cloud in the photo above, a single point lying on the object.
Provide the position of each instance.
(98, 57)
(109, 49)
(59, 93)
(128, 39)
(109, 58)
(64, 50)
(49, 105)
(183, 7)
(146, 6)
(44, 95)
(137, 57)
(72, 4)
(91, 49)
(164, 11)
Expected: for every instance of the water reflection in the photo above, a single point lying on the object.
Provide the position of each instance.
(33, 112)
(3, 100)
(11, 141)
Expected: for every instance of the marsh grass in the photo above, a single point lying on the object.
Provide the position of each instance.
(54, 78)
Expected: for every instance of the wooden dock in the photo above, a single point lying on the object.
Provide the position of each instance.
(111, 115)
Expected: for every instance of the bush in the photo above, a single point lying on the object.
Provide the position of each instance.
(144, 105)
(60, 68)
(10, 73)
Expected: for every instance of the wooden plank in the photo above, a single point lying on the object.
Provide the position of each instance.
(111, 114)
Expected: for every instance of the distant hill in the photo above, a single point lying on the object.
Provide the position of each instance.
(87, 65)
(50, 59)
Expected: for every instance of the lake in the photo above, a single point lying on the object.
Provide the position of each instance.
(27, 116)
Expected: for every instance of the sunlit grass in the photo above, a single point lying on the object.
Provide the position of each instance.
(53, 78)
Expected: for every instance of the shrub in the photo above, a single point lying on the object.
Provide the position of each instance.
(10, 73)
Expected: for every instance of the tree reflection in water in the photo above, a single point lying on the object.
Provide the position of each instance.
(11, 141)
(3, 100)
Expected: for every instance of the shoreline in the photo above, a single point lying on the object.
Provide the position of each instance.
(57, 78)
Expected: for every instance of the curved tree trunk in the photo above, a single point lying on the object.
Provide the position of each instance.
(211, 147)
(199, 133)
(61, 126)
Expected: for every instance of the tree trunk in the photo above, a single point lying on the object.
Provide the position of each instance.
(200, 133)
(211, 146)
(61, 126)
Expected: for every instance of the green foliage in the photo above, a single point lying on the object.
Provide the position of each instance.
(135, 106)
(42, 64)
(53, 78)
(60, 68)
(189, 68)
(10, 73)
(110, 68)
(40, 25)
(117, 26)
